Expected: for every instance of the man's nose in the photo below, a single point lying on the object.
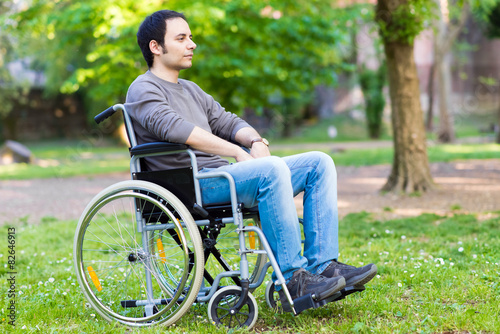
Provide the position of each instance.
(192, 46)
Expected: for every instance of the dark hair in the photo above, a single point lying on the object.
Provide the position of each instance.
(154, 28)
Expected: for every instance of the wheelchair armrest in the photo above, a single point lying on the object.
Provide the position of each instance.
(157, 147)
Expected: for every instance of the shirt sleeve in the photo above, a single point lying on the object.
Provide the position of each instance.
(223, 123)
(148, 106)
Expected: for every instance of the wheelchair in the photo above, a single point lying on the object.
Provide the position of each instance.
(147, 249)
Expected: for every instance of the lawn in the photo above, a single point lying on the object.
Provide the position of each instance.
(437, 274)
(66, 159)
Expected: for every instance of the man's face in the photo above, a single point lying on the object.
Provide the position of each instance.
(177, 52)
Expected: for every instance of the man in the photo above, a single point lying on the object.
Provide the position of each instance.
(166, 108)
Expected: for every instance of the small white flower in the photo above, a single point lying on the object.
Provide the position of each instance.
(474, 256)
(43, 253)
(24, 327)
(92, 315)
(461, 249)
(51, 280)
(452, 264)
(400, 285)
(412, 275)
(459, 242)
(403, 237)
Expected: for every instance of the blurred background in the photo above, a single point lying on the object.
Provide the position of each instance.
(302, 71)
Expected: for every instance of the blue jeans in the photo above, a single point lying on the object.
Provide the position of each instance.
(272, 183)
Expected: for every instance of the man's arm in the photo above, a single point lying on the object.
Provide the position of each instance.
(205, 141)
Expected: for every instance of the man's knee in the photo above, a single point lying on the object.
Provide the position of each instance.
(276, 167)
(323, 161)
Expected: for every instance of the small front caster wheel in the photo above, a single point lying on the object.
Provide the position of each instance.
(220, 310)
(273, 298)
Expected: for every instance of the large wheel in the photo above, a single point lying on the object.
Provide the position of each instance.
(220, 310)
(228, 246)
(138, 278)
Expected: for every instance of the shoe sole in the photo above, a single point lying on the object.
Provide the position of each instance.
(360, 280)
(334, 289)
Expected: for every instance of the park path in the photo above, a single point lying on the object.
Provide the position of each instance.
(463, 186)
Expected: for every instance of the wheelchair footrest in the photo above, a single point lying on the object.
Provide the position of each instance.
(306, 302)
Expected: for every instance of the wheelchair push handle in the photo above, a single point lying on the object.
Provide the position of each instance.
(104, 115)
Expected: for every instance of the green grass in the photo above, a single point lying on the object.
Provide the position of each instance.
(68, 159)
(349, 129)
(436, 274)
(378, 156)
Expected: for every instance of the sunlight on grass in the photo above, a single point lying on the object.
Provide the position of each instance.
(470, 148)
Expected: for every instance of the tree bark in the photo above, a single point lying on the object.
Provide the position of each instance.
(446, 131)
(429, 125)
(410, 168)
(447, 33)
(498, 127)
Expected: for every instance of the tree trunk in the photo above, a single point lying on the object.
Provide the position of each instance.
(410, 169)
(442, 59)
(498, 127)
(429, 125)
(446, 131)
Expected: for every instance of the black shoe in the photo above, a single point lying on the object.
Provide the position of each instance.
(303, 283)
(354, 276)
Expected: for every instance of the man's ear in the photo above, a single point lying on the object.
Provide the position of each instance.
(154, 47)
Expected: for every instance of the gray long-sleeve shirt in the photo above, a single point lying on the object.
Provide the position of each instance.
(165, 111)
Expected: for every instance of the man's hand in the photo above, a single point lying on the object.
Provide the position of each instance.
(259, 150)
(243, 156)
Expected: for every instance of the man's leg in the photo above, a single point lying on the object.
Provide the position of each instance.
(314, 173)
(265, 182)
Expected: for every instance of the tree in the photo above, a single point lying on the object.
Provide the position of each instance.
(450, 19)
(250, 53)
(492, 28)
(447, 31)
(400, 21)
(11, 89)
(372, 83)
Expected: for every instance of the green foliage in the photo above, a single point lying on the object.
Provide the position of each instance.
(402, 21)
(372, 83)
(10, 90)
(493, 22)
(250, 53)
